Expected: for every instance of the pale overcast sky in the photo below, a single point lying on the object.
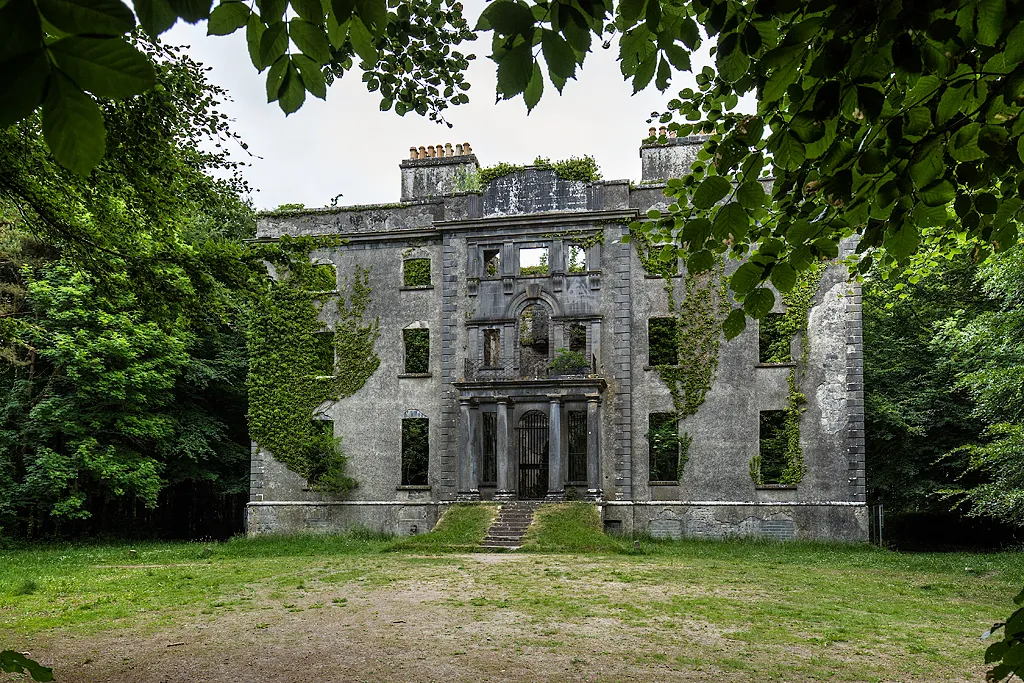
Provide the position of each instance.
(347, 145)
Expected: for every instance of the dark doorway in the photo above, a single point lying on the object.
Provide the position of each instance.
(533, 455)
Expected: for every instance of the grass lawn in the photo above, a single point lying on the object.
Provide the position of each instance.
(572, 605)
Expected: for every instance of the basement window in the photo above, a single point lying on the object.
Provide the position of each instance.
(663, 447)
(417, 350)
(773, 344)
(661, 341)
(415, 450)
(416, 272)
(533, 261)
(323, 350)
(771, 462)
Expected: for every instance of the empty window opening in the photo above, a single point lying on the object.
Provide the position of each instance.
(323, 277)
(661, 341)
(577, 445)
(663, 447)
(771, 462)
(323, 468)
(417, 350)
(534, 325)
(416, 272)
(492, 263)
(492, 348)
(578, 338)
(489, 445)
(577, 259)
(415, 450)
(773, 343)
(323, 345)
(533, 261)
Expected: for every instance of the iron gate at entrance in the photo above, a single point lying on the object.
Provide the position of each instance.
(533, 455)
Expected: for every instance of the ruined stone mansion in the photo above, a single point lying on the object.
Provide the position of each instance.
(523, 355)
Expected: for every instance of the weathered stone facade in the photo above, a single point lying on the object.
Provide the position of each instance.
(503, 423)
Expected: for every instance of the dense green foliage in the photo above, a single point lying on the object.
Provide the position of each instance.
(416, 272)
(417, 350)
(122, 330)
(1008, 653)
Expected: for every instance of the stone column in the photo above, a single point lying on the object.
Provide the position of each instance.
(593, 448)
(469, 487)
(556, 488)
(503, 491)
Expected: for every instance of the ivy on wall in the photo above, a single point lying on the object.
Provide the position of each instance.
(698, 325)
(793, 322)
(284, 387)
(417, 350)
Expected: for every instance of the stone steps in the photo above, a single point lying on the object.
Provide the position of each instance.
(508, 528)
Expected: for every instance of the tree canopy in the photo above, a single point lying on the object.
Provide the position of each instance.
(897, 122)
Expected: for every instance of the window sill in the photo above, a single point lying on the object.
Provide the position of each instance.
(412, 375)
(411, 288)
(663, 483)
(413, 487)
(774, 487)
(648, 276)
(787, 364)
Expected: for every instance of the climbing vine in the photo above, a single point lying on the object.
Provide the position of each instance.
(793, 322)
(699, 318)
(656, 260)
(284, 387)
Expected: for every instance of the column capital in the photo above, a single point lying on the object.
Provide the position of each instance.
(501, 399)
(554, 398)
(465, 400)
(593, 398)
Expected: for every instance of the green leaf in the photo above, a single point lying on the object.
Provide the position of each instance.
(731, 220)
(872, 162)
(918, 121)
(870, 101)
(156, 16)
(732, 62)
(93, 17)
(374, 15)
(630, 10)
(271, 11)
(700, 261)
(507, 18)
(559, 56)
(1020, 147)
(751, 195)
(783, 276)
(192, 11)
(950, 103)
(826, 246)
(275, 78)
(711, 191)
(22, 86)
(902, 242)
(312, 76)
(310, 10)
(965, 144)
(363, 42)
(20, 30)
(695, 232)
(73, 125)
(107, 67)
(801, 258)
(746, 278)
(928, 163)
(227, 18)
(664, 77)
(274, 43)
(798, 232)
(534, 89)
(734, 323)
(939, 193)
(806, 129)
(310, 39)
(645, 72)
(789, 152)
(292, 94)
(16, 662)
(342, 10)
(1014, 52)
(253, 34)
(515, 71)
(759, 302)
(679, 57)
(991, 16)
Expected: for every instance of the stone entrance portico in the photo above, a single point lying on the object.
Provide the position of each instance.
(510, 401)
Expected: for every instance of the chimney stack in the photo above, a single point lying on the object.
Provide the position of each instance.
(436, 170)
(673, 158)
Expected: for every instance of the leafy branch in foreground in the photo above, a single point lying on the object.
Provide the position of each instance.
(17, 663)
(1008, 653)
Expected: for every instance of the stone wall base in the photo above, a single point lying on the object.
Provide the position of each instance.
(824, 521)
(400, 518)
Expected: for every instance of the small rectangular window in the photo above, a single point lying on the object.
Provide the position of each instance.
(492, 348)
(661, 341)
(771, 462)
(324, 349)
(415, 450)
(492, 264)
(416, 272)
(772, 340)
(417, 350)
(577, 445)
(533, 261)
(489, 446)
(663, 447)
(577, 259)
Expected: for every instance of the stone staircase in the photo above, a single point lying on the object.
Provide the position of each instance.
(508, 528)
